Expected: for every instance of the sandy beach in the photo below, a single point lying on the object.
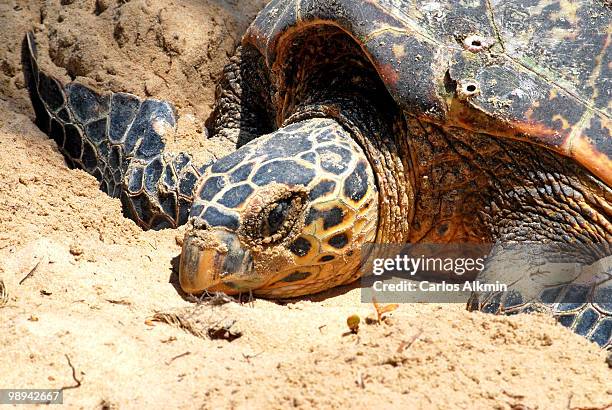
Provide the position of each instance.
(93, 303)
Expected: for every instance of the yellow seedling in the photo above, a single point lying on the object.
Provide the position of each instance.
(381, 310)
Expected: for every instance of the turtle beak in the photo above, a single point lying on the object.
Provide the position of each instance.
(215, 260)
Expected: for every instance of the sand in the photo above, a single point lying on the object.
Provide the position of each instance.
(93, 303)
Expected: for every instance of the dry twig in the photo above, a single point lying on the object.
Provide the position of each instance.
(177, 357)
(77, 381)
(3, 294)
(31, 272)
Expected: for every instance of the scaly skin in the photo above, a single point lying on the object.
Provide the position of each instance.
(432, 167)
(283, 215)
(119, 139)
(440, 184)
(242, 109)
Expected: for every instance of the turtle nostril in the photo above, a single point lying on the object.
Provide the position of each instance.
(199, 224)
(210, 258)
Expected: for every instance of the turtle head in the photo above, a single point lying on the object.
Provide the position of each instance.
(284, 215)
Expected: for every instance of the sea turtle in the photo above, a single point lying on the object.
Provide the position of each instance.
(386, 121)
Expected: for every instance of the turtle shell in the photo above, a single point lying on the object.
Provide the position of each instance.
(534, 70)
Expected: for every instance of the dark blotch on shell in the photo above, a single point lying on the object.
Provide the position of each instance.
(215, 217)
(196, 210)
(151, 145)
(142, 128)
(241, 173)
(338, 241)
(63, 115)
(50, 92)
(493, 305)
(114, 158)
(284, 172)
(168, 204)
(96, 130)
(187, 184)
(211, 187)
(356, 184)
(566, 320)
(326, 136)
(512, 299)
(574, 298)
(57, 132)
(296, 276)
(135, 180)
(74, 141)
(334, 159)
(550, 295)
(331, 217)
(184, 208)
(300, 246)
(586, 322)
(229, 161)
(284, 145)
(236, 196)
(89, 158)
(310, 157)
(169, 177)
(86, 104)
(602, 335)
(123, 111)
(152, 174)
(322, 188)
(602, 298)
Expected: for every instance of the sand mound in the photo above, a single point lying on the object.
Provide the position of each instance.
(86, 285)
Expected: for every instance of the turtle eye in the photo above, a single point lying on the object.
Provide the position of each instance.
(279, 217)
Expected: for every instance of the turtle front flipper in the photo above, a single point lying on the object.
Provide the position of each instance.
(119, 139)
(552, 278)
